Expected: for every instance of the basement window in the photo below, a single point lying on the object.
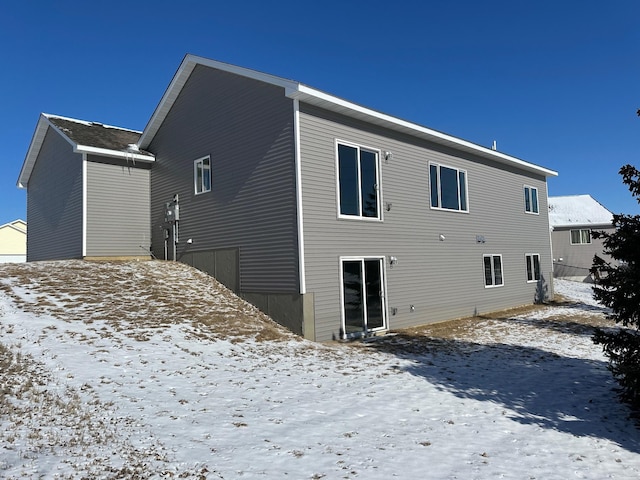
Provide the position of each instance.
(492, 271)
(533, 267)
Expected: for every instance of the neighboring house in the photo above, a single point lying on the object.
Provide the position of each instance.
(87, 191)
(335, 219)
(13, 241)
(572, 219)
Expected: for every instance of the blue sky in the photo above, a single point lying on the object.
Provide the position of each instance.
(555, 83)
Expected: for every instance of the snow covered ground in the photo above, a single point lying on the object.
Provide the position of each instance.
(89, 395)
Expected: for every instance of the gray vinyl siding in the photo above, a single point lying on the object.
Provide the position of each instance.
(246, 127)
(118, 203)
(54, 202)
(574, 261)
(441, 279)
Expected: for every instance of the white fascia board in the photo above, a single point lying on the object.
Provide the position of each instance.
(105, 152)
(295, 90)
(34, 148)
(180, 79)
(330, 102)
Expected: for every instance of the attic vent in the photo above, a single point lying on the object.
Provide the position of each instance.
(97, 124)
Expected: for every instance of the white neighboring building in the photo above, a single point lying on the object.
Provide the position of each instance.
(13, 241)
(572, 218)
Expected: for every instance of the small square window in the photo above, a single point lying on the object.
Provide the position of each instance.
(492, 271)
(533, 267)
(531, 199)
(202, 175)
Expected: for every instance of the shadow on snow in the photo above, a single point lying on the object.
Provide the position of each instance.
(537, 387)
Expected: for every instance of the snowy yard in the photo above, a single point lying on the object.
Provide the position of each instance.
(103, 375)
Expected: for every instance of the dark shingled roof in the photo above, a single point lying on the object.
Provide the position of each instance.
(96, 135)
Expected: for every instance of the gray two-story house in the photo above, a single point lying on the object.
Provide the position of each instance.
(573, 218)
(335, 219)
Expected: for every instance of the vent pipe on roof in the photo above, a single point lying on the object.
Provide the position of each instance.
(494, 146)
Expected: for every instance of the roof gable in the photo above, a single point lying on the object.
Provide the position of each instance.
(18, 225)
(84, 137)
(298, 91)
(577, 210)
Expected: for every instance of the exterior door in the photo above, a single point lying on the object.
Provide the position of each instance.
(363, 298)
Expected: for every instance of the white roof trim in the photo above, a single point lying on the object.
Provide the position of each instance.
(105, 152)
(295, 90)
(34, 147)
(38, 138)
(180, 78)
(14, 227)
(329, 102)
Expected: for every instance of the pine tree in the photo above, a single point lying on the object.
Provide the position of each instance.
(618, 288)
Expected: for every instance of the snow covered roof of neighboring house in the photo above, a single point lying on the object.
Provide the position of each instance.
(296, 90)
(577, 210)
(85, 137)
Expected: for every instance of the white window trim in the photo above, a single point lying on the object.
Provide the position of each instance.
(580, 230)
(531, 199)
(466, 187)
(526, 260)
(378, 153)
(300, 217)
(195, 175)
(491, 255)
(385, 308)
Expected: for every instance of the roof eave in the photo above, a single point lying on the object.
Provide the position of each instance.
(338, 105)
(105, 152)
(295, 90)
(584, 225)
(38, 138)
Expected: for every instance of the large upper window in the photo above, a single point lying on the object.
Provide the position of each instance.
(533, 267)
(530, 199)
(579, 237)
(202, 175)
(358, 182)
(448, 188)
(492, 270)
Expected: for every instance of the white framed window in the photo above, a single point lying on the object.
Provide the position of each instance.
(448, 187)
(358, 182)
(531, 200)
(580, 236)
(532, 261)
(492, 271)
(202, 175)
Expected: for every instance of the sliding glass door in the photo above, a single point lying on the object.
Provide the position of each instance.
(363, 295)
